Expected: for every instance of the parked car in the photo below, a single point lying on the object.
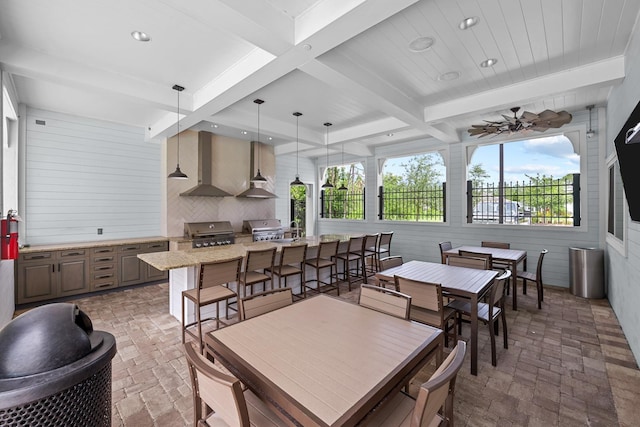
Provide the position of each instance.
(490, 212)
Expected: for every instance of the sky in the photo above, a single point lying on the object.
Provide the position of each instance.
(550, 156)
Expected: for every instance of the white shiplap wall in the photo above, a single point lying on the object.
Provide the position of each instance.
(84, 174)
(420, 240)
(624, 267)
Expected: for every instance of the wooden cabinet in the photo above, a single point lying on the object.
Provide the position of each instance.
(46, 275)
(104, 268)
(130, 267)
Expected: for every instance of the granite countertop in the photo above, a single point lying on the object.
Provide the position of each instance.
(92, 244)
(168, 260)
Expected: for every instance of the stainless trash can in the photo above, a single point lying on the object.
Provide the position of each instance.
(586, 272)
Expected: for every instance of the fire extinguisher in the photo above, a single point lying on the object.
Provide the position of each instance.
(9, 236)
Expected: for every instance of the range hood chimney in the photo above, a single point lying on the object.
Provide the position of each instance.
(254, 192)
(205, 160)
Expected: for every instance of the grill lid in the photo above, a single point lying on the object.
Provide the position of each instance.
(194, 230)
(255, 225)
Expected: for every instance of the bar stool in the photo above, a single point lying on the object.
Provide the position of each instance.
(325, 258)
(383, 246)
(370, 241)
(355, 252)
(291, 264)
(257, 269)
(212, 288)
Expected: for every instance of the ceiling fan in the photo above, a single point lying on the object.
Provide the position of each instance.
(527, 122)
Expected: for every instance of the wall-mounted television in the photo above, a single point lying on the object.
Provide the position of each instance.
(628, 148)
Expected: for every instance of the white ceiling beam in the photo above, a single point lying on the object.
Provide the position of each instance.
(29, 63)
(605, 72)
(369, 89)
(224, 92)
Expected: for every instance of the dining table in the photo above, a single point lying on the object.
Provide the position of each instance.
(458, 282)
(325, 361)
(511, 257)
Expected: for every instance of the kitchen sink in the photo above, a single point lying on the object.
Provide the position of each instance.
(287, 240)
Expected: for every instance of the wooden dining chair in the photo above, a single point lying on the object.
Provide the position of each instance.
(264, 302)
(471, 254)
(219, 398)
(385, 300)
(291, 264)
(444, 246)
(353, 254)
(212, 288)
(534, 277)
(458, 260)
(427, 305)
(500, 245)
(324, 259)
(434, 403)
(488, 312)
(385, 264)
(257, 269)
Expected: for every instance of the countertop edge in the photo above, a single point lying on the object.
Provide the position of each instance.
(92, 244)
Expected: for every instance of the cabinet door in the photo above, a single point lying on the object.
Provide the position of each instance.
(131, 272)
(36, 281)
(152, 273)
(73, 275)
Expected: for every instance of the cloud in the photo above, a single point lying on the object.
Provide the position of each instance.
(557, 146)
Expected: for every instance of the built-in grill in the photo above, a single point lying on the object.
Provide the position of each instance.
(263, 229)
(207, 234)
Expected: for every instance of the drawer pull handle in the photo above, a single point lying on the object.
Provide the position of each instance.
(104, 259)
(104, 267)
(130, 249)
(102, 251)
(74, 254)
(104, 276)
(104, 285)
(38, 256)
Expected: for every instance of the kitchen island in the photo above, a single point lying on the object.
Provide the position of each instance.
(183, 272)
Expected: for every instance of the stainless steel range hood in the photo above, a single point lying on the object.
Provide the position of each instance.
(205, 160)
(254, 192)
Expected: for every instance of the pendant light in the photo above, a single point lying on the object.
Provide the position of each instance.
(178, 174)
(342, 186)
(590, 132)
(297, 182)
(327, 184)
(258, 177)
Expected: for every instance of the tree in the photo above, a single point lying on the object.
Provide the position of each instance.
(477, 174)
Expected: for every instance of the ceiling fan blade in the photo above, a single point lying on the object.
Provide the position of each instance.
(547, 115)
(509, 119)
(529, 117)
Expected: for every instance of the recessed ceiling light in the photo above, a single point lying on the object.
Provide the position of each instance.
(488, 62)
(244, 132)
(214, 126)
(389, 134)
(421, 44)
(270, 138)
(451, 75)
(468, 22)
(141, 36)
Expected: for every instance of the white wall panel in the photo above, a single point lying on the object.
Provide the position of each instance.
(84, 174)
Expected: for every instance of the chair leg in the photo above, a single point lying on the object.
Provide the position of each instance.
(524, 286)
(504, 329)
(540, 294)
(199, 320)
(183, 323)
(493, 343)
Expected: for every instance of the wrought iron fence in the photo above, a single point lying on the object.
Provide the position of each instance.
(413, 204)
(336, 203)
(541, 201)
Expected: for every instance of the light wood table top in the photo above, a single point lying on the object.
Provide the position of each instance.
(325, 361)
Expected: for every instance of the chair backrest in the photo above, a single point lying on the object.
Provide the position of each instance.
(385, 300)
(444, 246)
(500, 245)
(423, 294)
(370, 242)
(326, 250)
(295, 254)
(539, 267)
(265, 302)
(260, 259)
(469, 262)
(356, 245)
(220, 272)
(488, 257)
(390, 262)
(438, 391)
(498, 292)
(220, 391)
(384, 241)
